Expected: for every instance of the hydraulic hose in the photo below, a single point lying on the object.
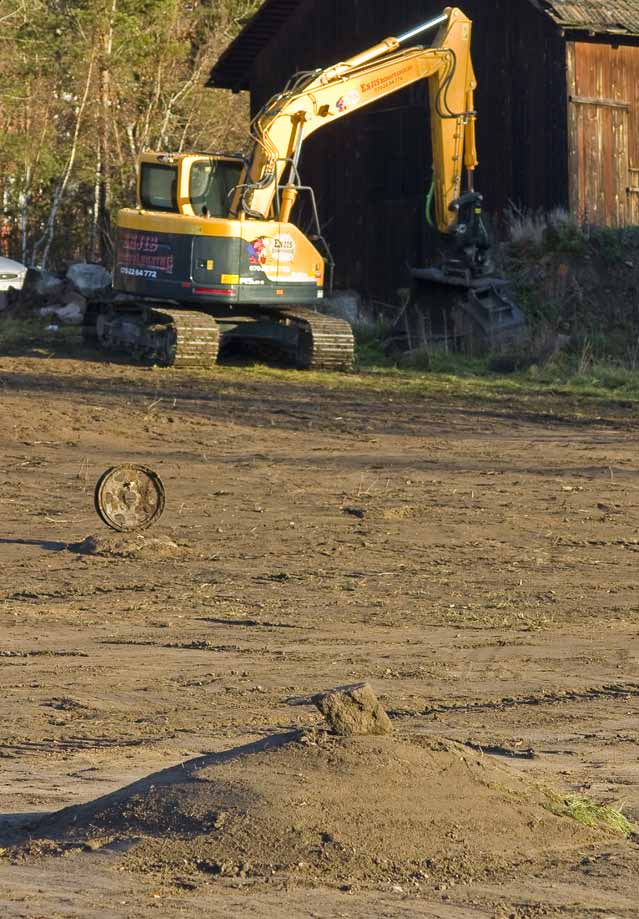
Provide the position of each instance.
(429, 204)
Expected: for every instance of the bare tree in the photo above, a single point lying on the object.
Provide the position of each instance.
(47, 237)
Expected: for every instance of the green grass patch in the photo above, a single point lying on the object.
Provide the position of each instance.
(28, 335)
(459, 365)
(585, 811)
(568, 374)
(369, 349)
(564, 387)
(573, 396)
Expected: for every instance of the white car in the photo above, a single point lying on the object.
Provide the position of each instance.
(12, 274)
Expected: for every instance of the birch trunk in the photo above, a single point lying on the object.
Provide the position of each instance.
(47, 237)
(23, 211)
(105, 246)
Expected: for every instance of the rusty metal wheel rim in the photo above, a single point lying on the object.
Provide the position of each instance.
(129, 497)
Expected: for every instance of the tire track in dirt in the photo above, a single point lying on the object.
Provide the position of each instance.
(622, 691)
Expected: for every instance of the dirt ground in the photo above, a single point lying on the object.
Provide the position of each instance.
(474, 559)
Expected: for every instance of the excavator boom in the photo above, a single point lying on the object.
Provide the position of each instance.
(337, 91)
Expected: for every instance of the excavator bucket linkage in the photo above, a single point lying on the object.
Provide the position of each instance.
(457, 312)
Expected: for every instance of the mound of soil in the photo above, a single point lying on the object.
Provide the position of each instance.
(320, 808)
(127, 545)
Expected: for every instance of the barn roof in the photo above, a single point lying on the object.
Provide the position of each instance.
(232, 71)
(607, 17)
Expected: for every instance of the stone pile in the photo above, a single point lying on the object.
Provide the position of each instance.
(61, 298)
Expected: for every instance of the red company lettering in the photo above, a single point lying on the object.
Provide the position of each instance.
(140, 242)
(139, 260)
(381, 82)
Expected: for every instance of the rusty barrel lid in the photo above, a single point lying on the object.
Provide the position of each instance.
(129, 497)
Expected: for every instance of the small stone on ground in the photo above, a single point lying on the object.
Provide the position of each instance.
(353, 710)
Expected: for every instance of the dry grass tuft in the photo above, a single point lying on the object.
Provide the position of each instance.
(585, 811)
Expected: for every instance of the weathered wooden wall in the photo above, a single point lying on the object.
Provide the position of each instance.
(603, 84)
(371, 171)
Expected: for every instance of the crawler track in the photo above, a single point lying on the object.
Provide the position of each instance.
(324, 343)
(194, 338)
(186, 339)
(190, 339)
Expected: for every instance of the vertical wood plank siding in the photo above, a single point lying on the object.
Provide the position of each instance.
(603, 84)
(372, 170)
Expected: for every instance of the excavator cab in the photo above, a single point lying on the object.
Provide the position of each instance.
(191, 185)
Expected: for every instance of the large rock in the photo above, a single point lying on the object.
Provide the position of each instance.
(353, 710)
(89, 279)
(42, 283)
(70, 313)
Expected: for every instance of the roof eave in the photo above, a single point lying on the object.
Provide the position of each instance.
(594, 29)
(232, 70)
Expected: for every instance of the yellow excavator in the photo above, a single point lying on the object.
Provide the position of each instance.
(212, 252)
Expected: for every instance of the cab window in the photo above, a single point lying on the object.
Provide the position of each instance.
(158, 187)
(210, 187)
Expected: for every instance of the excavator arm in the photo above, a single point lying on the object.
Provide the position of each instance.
(316, 99)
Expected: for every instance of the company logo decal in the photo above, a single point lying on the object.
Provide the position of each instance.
(257, 251)
(386, 82)
(347, 101)
(271, 252)
(144, 251)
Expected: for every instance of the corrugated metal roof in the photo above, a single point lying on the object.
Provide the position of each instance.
(614, 17)
(232, 71)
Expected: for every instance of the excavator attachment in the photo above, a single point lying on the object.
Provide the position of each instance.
(461, 312)
(459, 304)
